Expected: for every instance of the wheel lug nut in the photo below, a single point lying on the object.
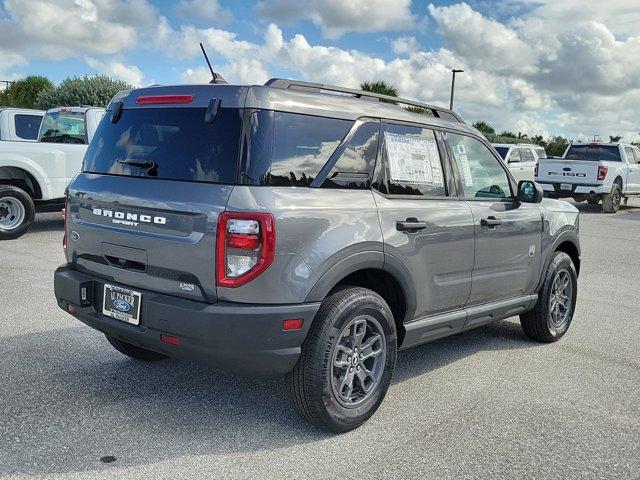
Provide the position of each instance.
(351, 369)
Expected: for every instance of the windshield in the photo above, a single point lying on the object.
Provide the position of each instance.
(502, 151)
(168, 143)
(594, 153)
(63, 127)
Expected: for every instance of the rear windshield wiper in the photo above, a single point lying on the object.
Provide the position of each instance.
(146, 164)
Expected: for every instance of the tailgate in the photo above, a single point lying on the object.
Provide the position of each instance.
(567, 171)
(150, 234)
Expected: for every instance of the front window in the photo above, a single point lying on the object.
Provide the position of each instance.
(63, 127)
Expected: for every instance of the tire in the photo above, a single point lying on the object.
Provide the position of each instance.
(16, 212)
(611, 201)
(593, 201)
(315, 384)
(540, 323)
(132, 351)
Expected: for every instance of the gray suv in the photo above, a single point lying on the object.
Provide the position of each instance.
(305, 230)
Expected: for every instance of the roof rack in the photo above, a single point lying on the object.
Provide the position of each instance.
(439, 112)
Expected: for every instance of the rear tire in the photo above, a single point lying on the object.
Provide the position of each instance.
(550, 318)
(611, 201)
(17, 212)
(132, 351)
(347, 361)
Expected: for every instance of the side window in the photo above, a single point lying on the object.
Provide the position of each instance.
(541, 153)
(412, 163)
(481, 173)
(636, 152)
(514, 156)
(527, 155)
(355, 166)
(302, 144)
(27, 126)
(630, 155)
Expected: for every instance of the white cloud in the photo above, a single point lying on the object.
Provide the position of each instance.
(203, 11)
(128, 73)
(402, 45)
(335, 17)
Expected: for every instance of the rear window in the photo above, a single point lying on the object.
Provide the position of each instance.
(594, 153)
(541, 153)
(27, 126)
(502, 151)
(63, 127)
(168, 143)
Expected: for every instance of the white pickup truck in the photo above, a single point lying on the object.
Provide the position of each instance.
(35, 174)
(19, 124)
(594, 172)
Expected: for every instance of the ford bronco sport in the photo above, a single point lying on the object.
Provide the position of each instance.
(305, 230)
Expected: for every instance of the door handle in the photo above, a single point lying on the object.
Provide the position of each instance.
(490, 222)
(410, 225)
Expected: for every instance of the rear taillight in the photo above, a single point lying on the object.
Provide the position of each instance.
(535, 170)
(246, 245)
(65, 218)
(602, 172)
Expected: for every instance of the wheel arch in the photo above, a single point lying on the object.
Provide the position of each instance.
(21, 178)
(567, 242)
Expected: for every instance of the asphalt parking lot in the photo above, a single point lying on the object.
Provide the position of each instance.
(483, 404)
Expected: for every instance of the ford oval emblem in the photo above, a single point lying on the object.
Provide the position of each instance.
(121, 305)
(566, 169)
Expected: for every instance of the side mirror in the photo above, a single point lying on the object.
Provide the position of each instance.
(529, 192)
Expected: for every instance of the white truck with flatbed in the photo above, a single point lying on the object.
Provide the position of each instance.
(592, 171)
(34, 175)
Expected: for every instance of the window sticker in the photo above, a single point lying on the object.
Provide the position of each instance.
(465, 168)
(413, 159)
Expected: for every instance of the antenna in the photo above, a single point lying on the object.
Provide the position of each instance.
(215, 78)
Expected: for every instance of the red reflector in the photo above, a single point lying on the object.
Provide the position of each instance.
(71, 308)
(155, 99)
(169, 339)
(243, 241)
(292, 324)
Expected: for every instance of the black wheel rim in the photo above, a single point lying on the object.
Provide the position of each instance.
(358, 361)
(616, 198)
(560, 300)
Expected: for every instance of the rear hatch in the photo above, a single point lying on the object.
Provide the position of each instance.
(580, 165)
(144, 210)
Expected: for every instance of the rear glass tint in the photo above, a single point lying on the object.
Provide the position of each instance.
(168, 143)
(594, 153)
(27, 126)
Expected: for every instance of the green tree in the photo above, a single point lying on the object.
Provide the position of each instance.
(556, 146)
(382, 88)
(484, 127)
(95, 91)
(23, 93)
(506, 133)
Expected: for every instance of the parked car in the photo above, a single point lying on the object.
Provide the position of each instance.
(521, 158)
(593, 171)
(284, 229)
(19, 124)
(35, 174)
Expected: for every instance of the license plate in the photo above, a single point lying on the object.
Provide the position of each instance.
(566, 186)
(122, 304)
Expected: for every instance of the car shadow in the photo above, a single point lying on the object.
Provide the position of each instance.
(585, 209)
(70, 400)
(47, 222)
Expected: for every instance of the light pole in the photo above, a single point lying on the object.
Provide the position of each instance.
(453, 83)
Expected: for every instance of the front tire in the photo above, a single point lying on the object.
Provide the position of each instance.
(17, 212)
(134, 352)
(347, 361)
(611, 201)
(552, 315)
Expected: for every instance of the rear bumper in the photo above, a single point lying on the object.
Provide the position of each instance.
(576, 189)
(239, 338)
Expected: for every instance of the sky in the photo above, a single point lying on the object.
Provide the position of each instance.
(544, 67)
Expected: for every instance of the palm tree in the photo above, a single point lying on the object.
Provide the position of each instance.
(615, 138)
(484, 127)
(380, 87)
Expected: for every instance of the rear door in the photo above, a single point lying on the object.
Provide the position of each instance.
(424, 225)
(507, 232)
(144, 210)
(633, 179)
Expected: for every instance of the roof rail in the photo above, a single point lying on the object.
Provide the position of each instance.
(439, 112)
